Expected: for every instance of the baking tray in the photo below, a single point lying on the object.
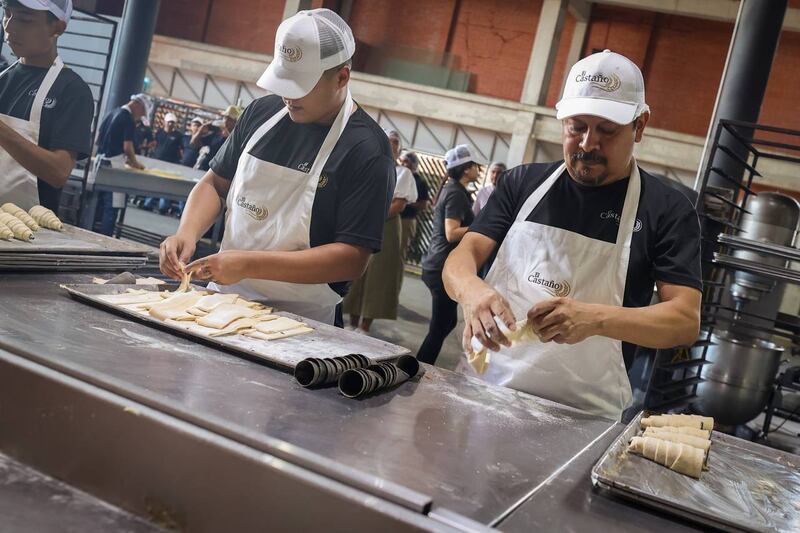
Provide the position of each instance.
(73, 240)
(325, 341)
(748, 487)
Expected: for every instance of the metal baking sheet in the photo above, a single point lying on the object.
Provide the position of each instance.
(748, 487)
(73, 240)
(325, 341)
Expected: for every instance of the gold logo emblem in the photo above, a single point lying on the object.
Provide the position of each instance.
(291, 54)
(605, 83)
(256, 212)
(553, 288)
(323, 181)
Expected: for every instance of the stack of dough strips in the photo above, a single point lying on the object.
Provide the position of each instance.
(207, 313)
(15, 223)
(680, 442)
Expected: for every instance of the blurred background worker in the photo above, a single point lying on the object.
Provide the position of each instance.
(408, 217)
(45, 108)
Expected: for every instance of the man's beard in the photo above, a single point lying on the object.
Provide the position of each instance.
(584, 177)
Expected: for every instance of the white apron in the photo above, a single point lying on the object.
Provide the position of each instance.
(537, 262)
(269, 208)
(17, 185)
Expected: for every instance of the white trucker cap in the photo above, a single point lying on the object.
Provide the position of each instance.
(147, 103)
(605, 84)
(306, 45)
(458, 156)
(170, 117)
(62, 9)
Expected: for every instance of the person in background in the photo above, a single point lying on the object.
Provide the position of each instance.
(189, 151)
(142, 139)
(493, 172)
(452, 216)
(46, 108)
(115, 138)
(168, 141)
(377, 293)
(214, 135)
(408, 217)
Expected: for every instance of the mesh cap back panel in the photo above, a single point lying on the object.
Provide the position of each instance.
(60, 4)
(330, 42)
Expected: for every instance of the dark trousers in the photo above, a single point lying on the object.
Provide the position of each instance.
(444, 317)
(106, 215)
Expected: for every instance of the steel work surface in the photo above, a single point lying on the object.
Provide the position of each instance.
(476, 450)
(35, 503)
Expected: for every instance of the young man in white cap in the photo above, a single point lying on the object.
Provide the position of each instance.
(582, 243)
(169, 140)
(115, 139)
(45, 108)
(307, 176)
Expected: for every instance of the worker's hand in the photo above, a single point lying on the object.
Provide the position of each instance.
(480, 308)
(136, 165)
(174, 253)
(225, 268)
(564, 320)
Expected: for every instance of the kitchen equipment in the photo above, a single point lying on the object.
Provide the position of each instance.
(738, 382)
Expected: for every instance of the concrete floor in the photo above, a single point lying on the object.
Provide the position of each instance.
(414, 313)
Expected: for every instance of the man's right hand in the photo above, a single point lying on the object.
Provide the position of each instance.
(481, 305)
(175, 252)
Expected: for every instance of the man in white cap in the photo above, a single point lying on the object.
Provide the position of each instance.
(115, 139)
(307, 176)
(45, 108)
(169, 140)
(582, 243)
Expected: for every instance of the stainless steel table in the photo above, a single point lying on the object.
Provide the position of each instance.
(477, 452)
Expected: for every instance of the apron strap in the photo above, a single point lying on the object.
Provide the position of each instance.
(12, 65)
(44, 89)
(264, 128)
(333, 135)
(627, 221)
(537, 195)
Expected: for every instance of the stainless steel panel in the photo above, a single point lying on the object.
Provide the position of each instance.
(74, 240)
(475, 449)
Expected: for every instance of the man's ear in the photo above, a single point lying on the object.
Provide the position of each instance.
(58, 28)
(640, 124)
(342, 77)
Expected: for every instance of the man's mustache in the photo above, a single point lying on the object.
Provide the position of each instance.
(593, 157)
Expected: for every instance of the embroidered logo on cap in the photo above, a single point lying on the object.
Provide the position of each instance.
(292, 54)
(605, 83)
(553, 288)
(256, 212)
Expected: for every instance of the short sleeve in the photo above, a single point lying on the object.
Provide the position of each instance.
(677, 247)
(364, 203)
(456, 205)
(129, 128)
(406, 187)
(227, 157)
(500, 211)
(70, 127)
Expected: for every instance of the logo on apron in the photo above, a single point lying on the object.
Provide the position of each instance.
(256, 212)
(553, 288)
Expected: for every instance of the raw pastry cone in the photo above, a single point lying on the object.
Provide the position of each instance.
(692, 421)
(480, 356)
(697, 442)
(694, 432)
(5, 232)
(45, 218)
(20, 213)
(20, 230)
(679, 457)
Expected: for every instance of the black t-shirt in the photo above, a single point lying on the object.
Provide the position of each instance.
(141, 138)
(168, 145)
(357, 181)
(190, 153)
(666, 241)
(116, 128)
(66, 122)
(456, 203)
(422, 196)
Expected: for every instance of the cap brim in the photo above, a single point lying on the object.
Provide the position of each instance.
(287, 83)
(33, 4)
(619, 112)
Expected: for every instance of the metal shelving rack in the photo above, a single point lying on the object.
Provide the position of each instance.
(677, 372)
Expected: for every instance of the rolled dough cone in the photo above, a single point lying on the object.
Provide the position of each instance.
(674, 455)
(5, 232)
(480, 356)
(18, 227)
(176, 305)
(224, 314)
(280, 324)
(694, 432)
(20, 213)
(692, 421)
(45, 218)
(697, 442)
(279, 334)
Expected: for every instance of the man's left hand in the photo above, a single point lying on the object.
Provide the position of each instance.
(564, 320)
(225, 268)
